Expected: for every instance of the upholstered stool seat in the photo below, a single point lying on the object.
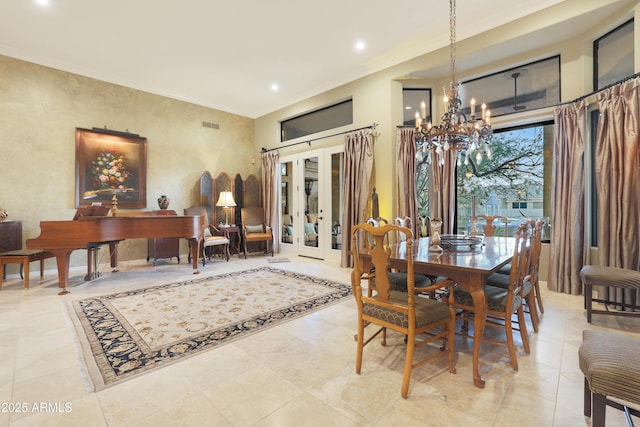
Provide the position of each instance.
(611, 366)
(613, 277)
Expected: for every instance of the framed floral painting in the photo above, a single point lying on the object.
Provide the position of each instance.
(110, 162)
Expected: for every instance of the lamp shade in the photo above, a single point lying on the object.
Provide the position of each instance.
(226, 199)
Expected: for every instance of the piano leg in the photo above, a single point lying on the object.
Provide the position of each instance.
(194, 244)
(113, 251)
(62, 261)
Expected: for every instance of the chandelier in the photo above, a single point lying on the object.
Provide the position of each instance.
(456, 131)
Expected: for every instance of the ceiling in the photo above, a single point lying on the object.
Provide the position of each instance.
(226, 55)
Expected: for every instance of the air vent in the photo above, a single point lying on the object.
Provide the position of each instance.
(210, 125)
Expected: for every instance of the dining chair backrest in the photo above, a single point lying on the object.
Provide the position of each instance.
(379, 253)
(374, 222)
(536, 247)
(405, 223)
(520, 259)
(490, 228)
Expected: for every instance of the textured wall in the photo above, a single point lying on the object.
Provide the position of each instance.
(40, 109)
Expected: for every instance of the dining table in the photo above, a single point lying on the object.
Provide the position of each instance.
(469, 266)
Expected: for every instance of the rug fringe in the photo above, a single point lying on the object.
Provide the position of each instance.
(67, 312)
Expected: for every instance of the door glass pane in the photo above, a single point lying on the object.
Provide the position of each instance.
(311, 201)
(285, 202)
(337, 174)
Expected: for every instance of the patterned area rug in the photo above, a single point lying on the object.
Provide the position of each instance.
(129, 333)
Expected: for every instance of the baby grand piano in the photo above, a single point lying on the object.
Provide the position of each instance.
(86, 230)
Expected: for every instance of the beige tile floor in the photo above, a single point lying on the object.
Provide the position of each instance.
(299, 373)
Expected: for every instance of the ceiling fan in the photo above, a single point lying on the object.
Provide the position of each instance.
(515, 74)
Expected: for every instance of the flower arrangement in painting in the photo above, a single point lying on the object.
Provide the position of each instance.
(109, 170)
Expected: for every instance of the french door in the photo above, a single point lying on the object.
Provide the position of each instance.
(311, 203)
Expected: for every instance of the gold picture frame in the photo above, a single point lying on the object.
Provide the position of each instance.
(111, 162)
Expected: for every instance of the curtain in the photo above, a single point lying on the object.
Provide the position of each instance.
(271, 191)
(406, 167)
(567, 249)
(358, 167)
(443, 189)
(617, 168)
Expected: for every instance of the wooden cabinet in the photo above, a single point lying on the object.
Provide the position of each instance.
(10, 235)
(10, 238)
(163, 247)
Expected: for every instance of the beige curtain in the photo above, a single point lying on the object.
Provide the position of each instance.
(567, 248)
(442, 196)
(358, 167)
(271, 191)
(406, 166)
(618, 181)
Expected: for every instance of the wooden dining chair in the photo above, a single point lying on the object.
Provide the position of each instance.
(490, 229)
(530, 287)
(404, 312)
(503, 303)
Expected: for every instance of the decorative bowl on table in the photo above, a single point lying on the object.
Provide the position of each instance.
(460, 242)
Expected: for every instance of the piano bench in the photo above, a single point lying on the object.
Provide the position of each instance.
(23, 257)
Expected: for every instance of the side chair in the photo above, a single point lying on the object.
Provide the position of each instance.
(503, 303)
(254, 229)
(212, 235)
(404, 312)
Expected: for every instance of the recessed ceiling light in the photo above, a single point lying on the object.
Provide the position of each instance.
(359, 45)
(43, 2)
(274, 87)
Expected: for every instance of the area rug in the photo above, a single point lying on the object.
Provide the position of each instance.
(129, 333)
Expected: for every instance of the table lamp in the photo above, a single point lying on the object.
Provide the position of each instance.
(226, 201)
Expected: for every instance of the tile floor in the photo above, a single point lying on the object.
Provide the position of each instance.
(298, 373)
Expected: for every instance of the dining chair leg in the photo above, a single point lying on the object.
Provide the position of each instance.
(524, 333)
(451, 336)
(536, 289)
(360, 345)
(508, 326)
(533, 310)
(408, 365)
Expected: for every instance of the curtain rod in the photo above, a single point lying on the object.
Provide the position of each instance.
(580, 98)
(266, 150)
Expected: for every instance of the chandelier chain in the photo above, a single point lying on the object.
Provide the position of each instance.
(458, 130)
(452, 41)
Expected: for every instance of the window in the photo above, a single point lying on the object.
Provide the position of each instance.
(516, 174)
(326, 118)
(528, 86)
(412, 101)
(613, 56)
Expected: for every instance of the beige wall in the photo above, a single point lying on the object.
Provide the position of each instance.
(378, 98)
(40, 109)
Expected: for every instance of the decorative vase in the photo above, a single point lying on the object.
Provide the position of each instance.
(3, 214)
(434, 237)
(163, 202)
